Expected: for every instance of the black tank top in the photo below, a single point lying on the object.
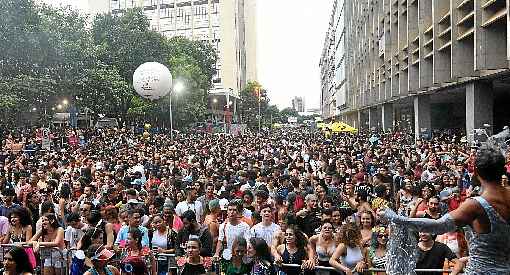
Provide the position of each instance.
(295, 258)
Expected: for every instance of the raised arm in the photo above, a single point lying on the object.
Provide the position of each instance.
(445, 224)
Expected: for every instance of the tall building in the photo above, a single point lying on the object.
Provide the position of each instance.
(90, 7)
(332, 65)
(298, 104)
(229, 26)
(422, 64)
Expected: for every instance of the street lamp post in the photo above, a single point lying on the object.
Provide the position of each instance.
(259, 113)
(177, 89)
(171, 119)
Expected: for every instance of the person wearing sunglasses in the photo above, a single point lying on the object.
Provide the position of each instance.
(377, 251)
(16, 262)
(99, 258)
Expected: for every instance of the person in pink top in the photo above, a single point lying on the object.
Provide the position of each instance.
(171, 218)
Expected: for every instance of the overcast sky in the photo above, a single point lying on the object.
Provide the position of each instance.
(291, 35)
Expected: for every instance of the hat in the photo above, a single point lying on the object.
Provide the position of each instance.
(102, 254)
(223, 204)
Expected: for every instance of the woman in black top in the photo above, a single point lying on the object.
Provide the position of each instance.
(294, 251)
(193, 263)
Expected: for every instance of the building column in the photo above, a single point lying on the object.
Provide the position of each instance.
(374, 119)
(364, 119)
(387, 117)
(479, 107)
(422, 119)
(357, 120)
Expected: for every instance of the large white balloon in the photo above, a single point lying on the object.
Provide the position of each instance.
(152, 80)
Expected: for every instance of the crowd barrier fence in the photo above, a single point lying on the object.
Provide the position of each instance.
(48, 260)
(55, 258)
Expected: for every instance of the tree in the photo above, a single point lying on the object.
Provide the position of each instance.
(48, 54)
(70, 53)
(249, 105)
(104, 91)
(286, 113)
(21, 38)
(191, 62)
(126, 41)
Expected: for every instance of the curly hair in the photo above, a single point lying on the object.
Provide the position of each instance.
(301, 240)
(350, 234)
(24, 216)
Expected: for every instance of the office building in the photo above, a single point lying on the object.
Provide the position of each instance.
(89, 7)
(422, 64)
(298, 104)
(332, 65)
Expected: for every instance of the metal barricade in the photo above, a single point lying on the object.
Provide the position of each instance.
(328, 268)
(48, 260)
(166, 262)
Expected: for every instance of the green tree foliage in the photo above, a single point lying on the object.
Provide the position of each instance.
(193, 64)
(125, 41)
(21, 40)
(286, 113)
(48, 54)
(104, 91)
(249, 105)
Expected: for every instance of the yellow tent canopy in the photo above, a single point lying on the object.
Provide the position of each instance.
(338, 127)
(321, 125)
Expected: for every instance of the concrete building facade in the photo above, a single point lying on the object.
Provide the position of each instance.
(298, 104)
(422, 64)
(332, 65)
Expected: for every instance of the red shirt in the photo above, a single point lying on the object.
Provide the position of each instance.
(453, 204)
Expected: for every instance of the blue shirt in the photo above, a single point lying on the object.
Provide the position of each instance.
(123, 235)
(5, 211)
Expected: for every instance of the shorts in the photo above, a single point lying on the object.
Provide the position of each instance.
(52, 258)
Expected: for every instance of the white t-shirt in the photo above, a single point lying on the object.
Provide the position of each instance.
(73, 235)
(159, 240)
(184, 206)
(261, 231)
(232, 233)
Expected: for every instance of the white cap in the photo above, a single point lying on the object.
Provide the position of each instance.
(223, 204)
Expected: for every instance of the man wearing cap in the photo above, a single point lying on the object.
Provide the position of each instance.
(190, 204)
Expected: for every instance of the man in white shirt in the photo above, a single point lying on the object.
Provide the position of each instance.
(265, 229)
(75, 231)
(190, 204)
(231, 229)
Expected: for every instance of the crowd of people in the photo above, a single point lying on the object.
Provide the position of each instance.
(288, 201)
